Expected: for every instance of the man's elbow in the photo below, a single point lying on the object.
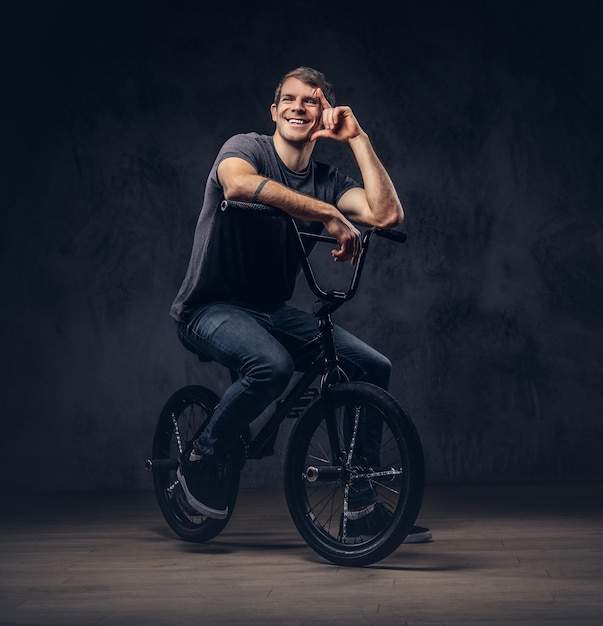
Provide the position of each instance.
(236, 191)
(395, 218)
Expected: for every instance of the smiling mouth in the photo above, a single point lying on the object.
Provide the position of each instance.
(295, 121)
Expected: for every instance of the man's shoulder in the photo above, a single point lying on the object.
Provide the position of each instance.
(248, 138)
(248, 146)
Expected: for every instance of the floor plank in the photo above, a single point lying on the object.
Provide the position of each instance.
(505, 554)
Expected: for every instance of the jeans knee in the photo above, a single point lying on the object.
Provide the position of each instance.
(271, 376)
(377, 371)
(383, 371)
(282, 375)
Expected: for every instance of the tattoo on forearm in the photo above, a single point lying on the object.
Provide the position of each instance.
(256, 195)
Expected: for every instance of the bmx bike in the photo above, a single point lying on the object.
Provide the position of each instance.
(327, 456)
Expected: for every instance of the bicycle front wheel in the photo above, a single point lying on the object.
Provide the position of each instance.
(354, 474)
(180, 421)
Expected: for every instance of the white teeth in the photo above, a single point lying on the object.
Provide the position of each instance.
(296, 122)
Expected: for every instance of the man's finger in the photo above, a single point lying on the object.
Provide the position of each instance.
(317, 134)
(323, 101)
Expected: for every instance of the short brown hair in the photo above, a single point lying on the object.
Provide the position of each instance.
(309, 76)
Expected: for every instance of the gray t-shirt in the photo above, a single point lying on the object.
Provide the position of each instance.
(250, 258)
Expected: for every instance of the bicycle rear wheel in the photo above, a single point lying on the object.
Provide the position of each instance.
(180, 421)
(355, 441)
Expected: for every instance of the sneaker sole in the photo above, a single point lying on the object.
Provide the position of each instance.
(360, 513)
(423, 537)
(201, 508)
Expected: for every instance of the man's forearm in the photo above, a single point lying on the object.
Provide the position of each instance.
(267, 191)
(380, 192)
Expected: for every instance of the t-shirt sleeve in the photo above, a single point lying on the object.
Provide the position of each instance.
(344, 183)
(244, 147)
(333, 183)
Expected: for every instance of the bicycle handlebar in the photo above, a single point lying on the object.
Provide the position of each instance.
(398, 236)
(336, 298)
(252, 206)
(388, 233)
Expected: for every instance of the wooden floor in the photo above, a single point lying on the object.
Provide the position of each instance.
(500, 555)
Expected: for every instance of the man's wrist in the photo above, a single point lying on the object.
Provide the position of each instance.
(359, 138)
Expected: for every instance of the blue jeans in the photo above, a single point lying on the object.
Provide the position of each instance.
(257, 345)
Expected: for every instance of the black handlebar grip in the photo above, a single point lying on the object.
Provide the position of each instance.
(394, 235)
(228, 205)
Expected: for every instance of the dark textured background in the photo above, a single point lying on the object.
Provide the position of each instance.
(488, 116)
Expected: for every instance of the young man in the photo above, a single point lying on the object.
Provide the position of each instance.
(231, 306)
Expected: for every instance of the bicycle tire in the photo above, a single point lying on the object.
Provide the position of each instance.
(181, 420)
(324, 465)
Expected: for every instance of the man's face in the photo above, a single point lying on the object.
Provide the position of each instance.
(298, 113)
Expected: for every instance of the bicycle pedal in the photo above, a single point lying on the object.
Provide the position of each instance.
(303, 402)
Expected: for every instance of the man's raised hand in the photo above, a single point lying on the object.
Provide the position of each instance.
(338, 123)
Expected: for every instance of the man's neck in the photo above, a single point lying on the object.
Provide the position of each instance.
(295, 157)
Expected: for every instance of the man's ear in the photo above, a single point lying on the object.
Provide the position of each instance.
(273, 112)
